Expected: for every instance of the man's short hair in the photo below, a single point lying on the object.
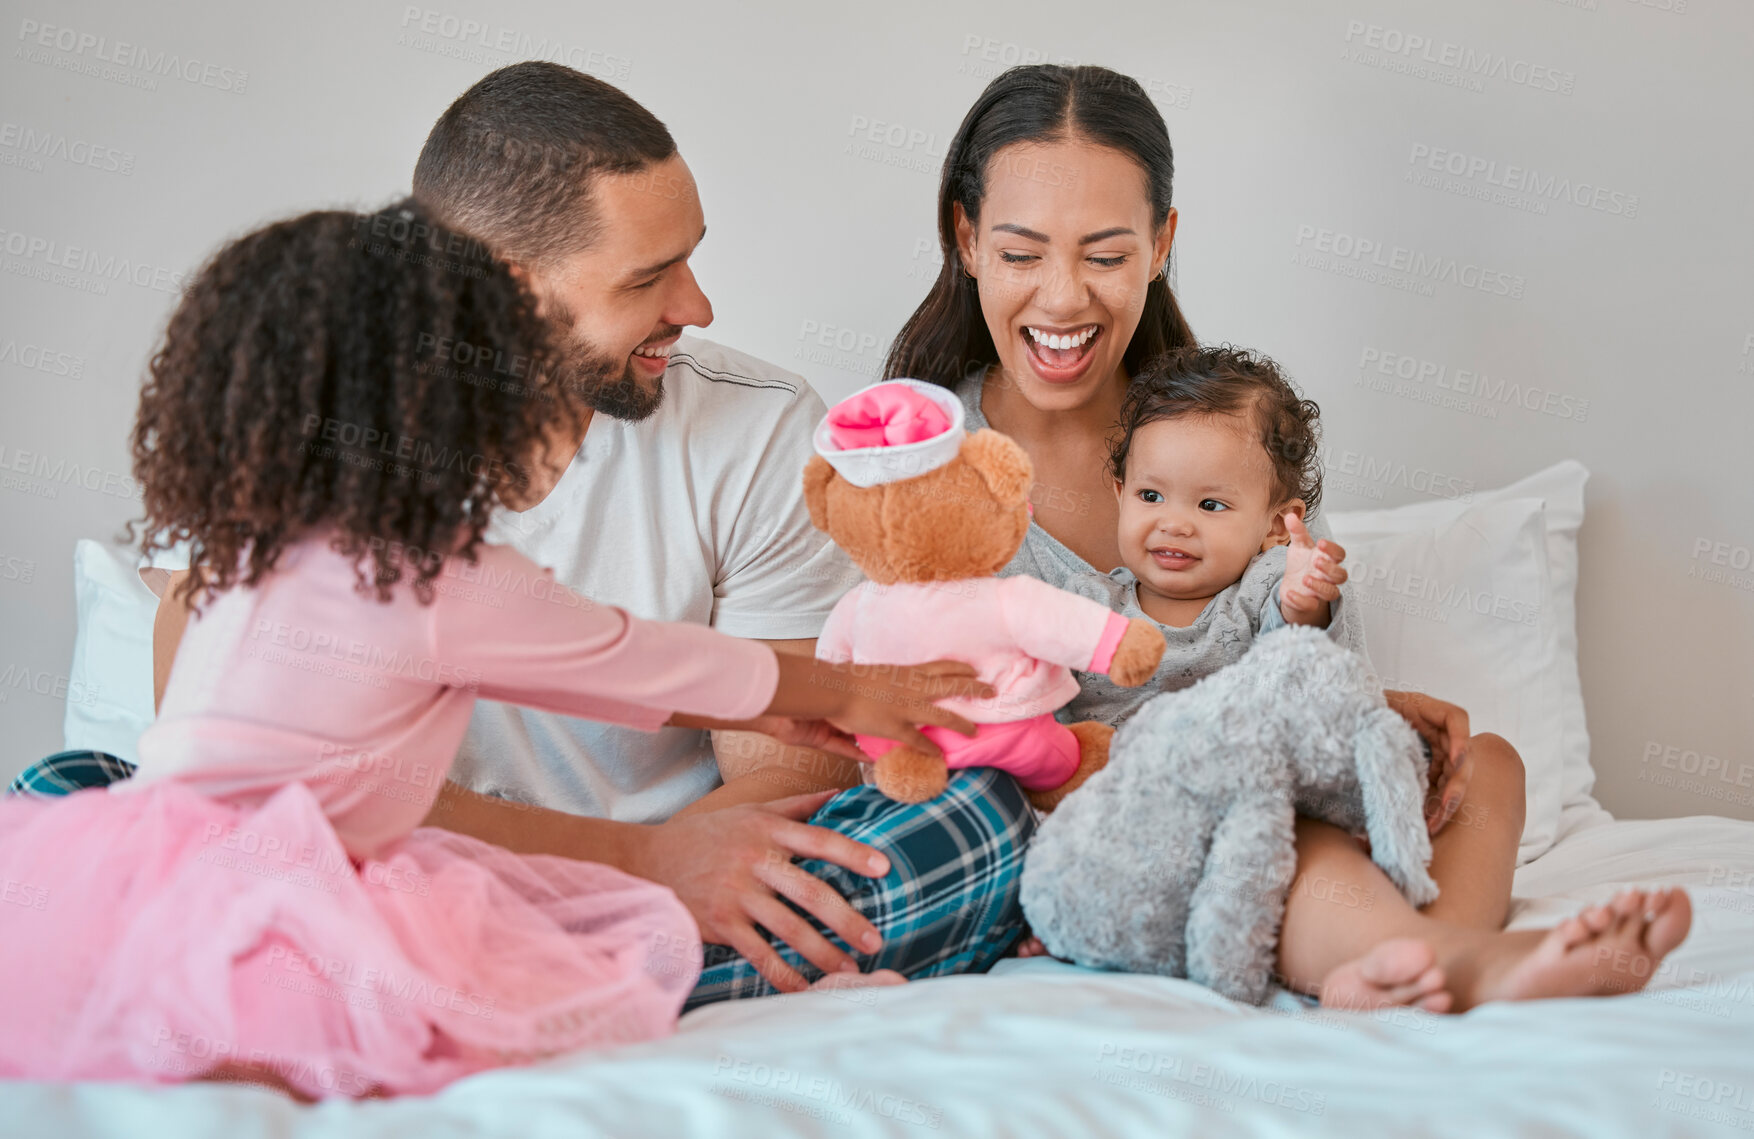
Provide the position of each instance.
(512, 161)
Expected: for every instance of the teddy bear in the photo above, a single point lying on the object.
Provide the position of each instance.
(1177, 857)
(931, 514)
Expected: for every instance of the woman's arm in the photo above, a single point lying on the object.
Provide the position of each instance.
(1445, 727)
(758, 768)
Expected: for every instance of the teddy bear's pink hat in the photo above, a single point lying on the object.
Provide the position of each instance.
(891, 431)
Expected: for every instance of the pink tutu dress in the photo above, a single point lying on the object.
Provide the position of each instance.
(262, 891)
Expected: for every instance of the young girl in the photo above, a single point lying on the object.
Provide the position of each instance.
(258, 901)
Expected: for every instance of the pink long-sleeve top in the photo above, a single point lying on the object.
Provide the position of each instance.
(1022, 635)
(303, 678)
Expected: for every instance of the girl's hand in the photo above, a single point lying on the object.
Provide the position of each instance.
(1445, 727)
(892, 701)
(1313, 575)
(822, 705)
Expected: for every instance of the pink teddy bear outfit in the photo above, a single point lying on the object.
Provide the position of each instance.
(1022, 635)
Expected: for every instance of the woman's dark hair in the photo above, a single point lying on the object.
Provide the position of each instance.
(947, 337)
(1227, 381)
(375, 373)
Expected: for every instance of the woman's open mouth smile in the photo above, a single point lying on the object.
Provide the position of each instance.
(1060, 355)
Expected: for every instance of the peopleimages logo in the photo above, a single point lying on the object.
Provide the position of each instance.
(1005, 53)
(41, 359)
(136, 57)
(1353, 466)
(79, 259)
(1374, 43)
(20, 468)
(458, 36)
(1415, 264)
(1443, 597)
(1471, 389)
(32, 144)
(1521, 180)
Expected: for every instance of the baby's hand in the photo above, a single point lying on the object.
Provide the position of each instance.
(1313, 576)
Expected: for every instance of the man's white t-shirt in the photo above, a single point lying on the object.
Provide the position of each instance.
(695, 513)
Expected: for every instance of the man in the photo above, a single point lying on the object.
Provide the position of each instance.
(693, 457)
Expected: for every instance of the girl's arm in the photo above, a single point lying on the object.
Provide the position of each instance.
(760, 767)
(168, 623)
(890, 701)
(524, 638)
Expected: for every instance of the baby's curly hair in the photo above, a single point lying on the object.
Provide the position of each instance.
(1226, 380)
(375, 373)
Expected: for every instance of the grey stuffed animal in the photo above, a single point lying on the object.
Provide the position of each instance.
(1176, 857)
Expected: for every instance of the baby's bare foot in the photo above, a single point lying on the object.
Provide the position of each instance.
(1603, 951)
(1403, 971)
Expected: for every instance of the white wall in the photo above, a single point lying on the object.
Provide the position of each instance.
(1640, 302)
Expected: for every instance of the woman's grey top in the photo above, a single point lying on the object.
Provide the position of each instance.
(1223, 632)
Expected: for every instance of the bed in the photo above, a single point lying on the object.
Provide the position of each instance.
(1039, 1047)
(1042, 1048)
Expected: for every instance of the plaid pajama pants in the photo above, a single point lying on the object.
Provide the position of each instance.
(68, 771)
(950, 901)
(948, 905)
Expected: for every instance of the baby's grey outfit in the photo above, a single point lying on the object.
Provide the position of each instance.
(1223, 632)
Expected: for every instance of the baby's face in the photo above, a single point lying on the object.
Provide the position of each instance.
(1199, 501)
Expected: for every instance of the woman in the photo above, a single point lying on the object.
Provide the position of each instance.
(1056, 225)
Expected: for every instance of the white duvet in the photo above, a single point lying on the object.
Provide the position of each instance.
(1041, 1048)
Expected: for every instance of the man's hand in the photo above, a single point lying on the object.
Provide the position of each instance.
(1313, 575)
(731, 868)
(1445, 728)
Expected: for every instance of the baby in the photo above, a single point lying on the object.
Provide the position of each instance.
(1215, 468)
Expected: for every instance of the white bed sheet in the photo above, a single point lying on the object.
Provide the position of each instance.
(1040, 1048)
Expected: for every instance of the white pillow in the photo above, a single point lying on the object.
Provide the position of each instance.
(112, 652)
(1513, 667)
(1561, 487)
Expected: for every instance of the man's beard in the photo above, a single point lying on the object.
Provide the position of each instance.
(606, 383)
